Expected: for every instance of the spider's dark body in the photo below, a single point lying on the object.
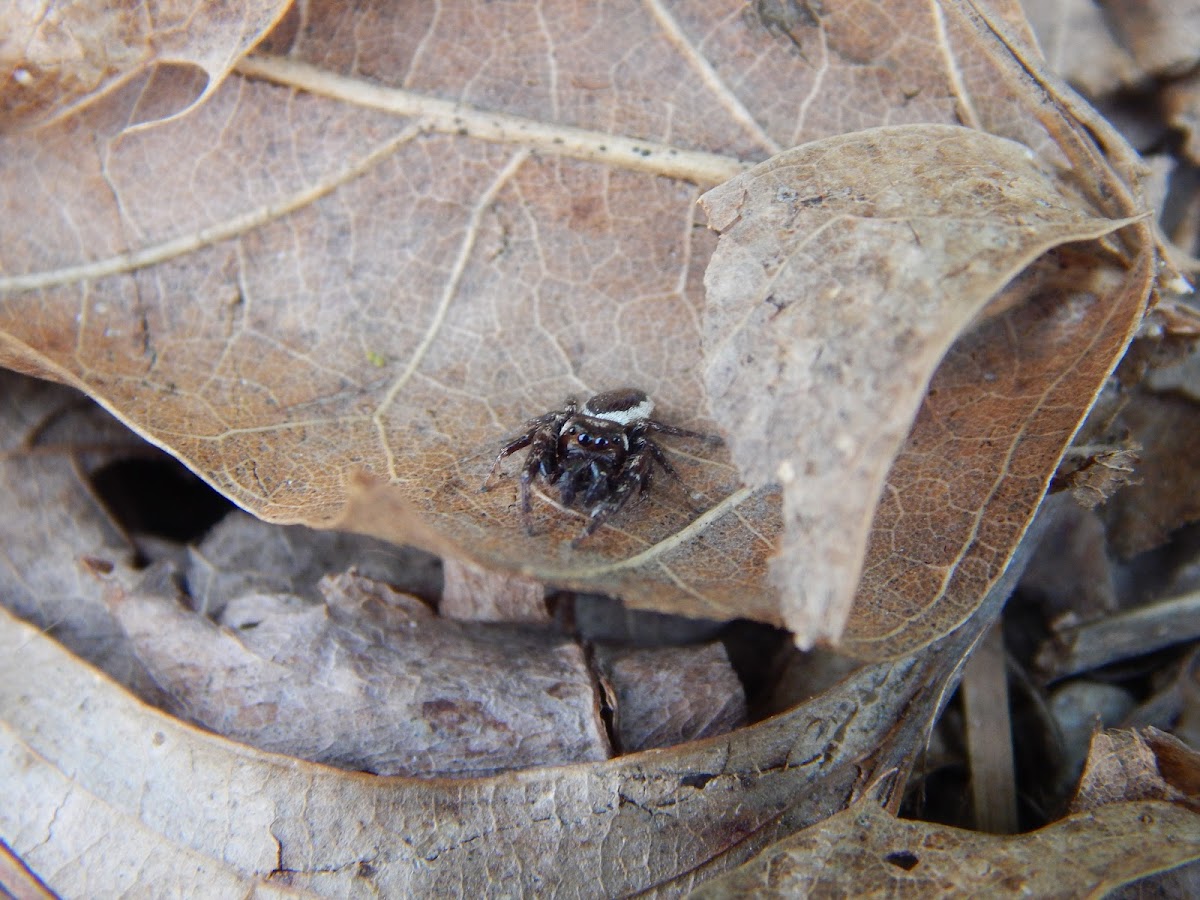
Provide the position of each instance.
(600, 456)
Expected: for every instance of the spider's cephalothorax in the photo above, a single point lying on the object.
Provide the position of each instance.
(600, 456)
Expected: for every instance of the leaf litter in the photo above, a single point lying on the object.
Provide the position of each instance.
(675, 810)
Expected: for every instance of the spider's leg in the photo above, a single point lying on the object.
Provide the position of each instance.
(570, 478)
(663, 428)
(632, 479)
(597, 485)
(661, 458)
(508, 450)
(532, 427)
(541, 461)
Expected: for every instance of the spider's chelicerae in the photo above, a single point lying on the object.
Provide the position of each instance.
(600, 456)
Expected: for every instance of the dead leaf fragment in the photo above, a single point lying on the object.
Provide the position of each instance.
(472, 592)
(1163, 35)
(1101, 474)
(1079, 44)
(386, 250)
(1138, 765)
(845, 270)
(865, 852)
(163, 58)
(999, 413)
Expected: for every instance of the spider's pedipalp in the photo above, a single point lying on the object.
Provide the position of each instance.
(633, 481)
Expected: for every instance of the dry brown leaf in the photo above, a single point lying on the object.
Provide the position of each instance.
(1101, 474)
(864, 852)
(158, 60)
(845, 271)
(992, 451)
(370, 680)
(471, 592)
(1138, 765)
(386, 255)
(1143, 765)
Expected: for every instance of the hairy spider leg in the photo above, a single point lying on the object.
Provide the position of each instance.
(542, 460)
(599, 485)
(567, 480)
(661, 458)
(663, 428)
(532, 427)
(634, 478)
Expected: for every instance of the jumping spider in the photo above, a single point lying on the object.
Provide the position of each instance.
(601, 455)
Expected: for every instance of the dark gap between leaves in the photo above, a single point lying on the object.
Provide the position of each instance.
(159, 497)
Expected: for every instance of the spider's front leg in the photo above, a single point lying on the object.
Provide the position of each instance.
(508, 450)
(552, 421)
(633, 479)
(543, 461)
(661, 458)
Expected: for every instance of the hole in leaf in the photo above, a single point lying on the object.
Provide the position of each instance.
(903, 859)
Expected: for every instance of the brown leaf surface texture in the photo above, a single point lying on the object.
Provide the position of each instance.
(381, 253)
(865, 852)
(160, 59)
(845, 270)
(665, 696)
(998, 415)
(1145, 764)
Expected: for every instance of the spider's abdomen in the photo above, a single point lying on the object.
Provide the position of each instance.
(622, 406)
